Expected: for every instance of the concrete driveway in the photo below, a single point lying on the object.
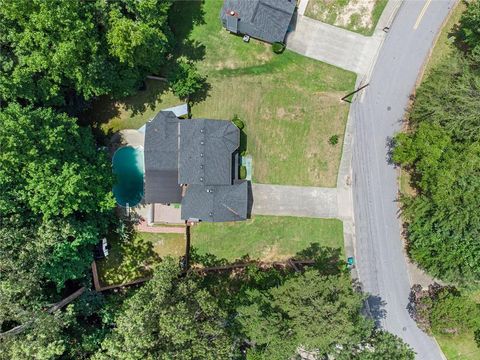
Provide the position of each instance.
(284, 200)
(333, 45)
(336, 46)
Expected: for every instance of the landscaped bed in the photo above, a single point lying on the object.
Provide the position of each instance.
(355, 15)
(290, 104)
(131, 259)
(266, 238)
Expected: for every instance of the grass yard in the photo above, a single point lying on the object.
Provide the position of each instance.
(355, 15)
(290, 104)
(266, 238)
(461, 347)
(457, 347)
(130, 260)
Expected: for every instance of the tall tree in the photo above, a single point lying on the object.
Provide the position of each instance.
(54, 179)
(55, 50)
(170, 317)
(308, 313)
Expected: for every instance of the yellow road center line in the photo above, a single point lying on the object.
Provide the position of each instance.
(424, 9)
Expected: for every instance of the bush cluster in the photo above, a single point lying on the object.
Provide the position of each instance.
(278, 47)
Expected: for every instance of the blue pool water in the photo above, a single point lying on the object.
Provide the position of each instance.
(129, 170)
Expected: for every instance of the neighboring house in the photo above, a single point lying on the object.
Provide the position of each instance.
(195, 162)
(267, 20)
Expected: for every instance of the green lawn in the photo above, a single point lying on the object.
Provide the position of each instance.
(266, 238)
(463, 346)
(355, 15)
(290, 104)
(130, 260)
(459, 347)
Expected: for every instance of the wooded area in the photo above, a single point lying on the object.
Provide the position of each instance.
(442, 152)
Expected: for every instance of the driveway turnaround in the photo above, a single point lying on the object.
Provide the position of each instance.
(377, 116)
(284, 200)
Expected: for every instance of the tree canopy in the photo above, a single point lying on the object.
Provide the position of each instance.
(270, 314)
(170, 317)
(442, 153)
(55, 181)
(55, 50)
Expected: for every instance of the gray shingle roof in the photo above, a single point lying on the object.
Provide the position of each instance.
(267, 20)
(206, 148)
(216, 203)
(161, 159)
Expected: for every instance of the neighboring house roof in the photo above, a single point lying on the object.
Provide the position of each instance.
(206, 148)
(216, 203)
(161, 159)
(266, 20)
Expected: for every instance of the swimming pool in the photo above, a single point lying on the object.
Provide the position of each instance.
(127, 164)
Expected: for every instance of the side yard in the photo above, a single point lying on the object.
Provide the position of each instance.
(355, 15)
(290, 104)
(264, 238)
(133, 258)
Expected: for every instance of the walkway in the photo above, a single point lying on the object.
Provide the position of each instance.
(284, 200)
(333, 45)
(143, 227)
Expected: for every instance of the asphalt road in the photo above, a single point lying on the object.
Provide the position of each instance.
(377, 117)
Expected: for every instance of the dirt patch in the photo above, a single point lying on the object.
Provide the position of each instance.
(271, 253)
(354, 15)
(357, 13)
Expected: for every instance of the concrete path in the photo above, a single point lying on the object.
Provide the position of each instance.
(143, 227)
(377, 115)
(284, 200)
(333, 45)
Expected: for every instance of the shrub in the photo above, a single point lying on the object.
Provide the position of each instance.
(333, 140)
(238, 123)
(278, 47)
(243, 173)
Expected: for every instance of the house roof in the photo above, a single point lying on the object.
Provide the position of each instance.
(206, 147)
(217, 203)
(161, 159)
(267, 20)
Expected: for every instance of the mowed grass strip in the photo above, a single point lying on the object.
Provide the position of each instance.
(266, 238)
(290, 104)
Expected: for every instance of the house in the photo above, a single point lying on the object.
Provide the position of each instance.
(266, 20)
(195, 162)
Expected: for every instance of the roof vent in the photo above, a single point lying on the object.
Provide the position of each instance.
(201, 166)
(201, 154)
(202, 130)
(211, 214)
(201, 179)
(232, 13)
(202, 142)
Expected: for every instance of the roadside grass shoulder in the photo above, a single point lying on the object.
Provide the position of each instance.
(445, 44)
